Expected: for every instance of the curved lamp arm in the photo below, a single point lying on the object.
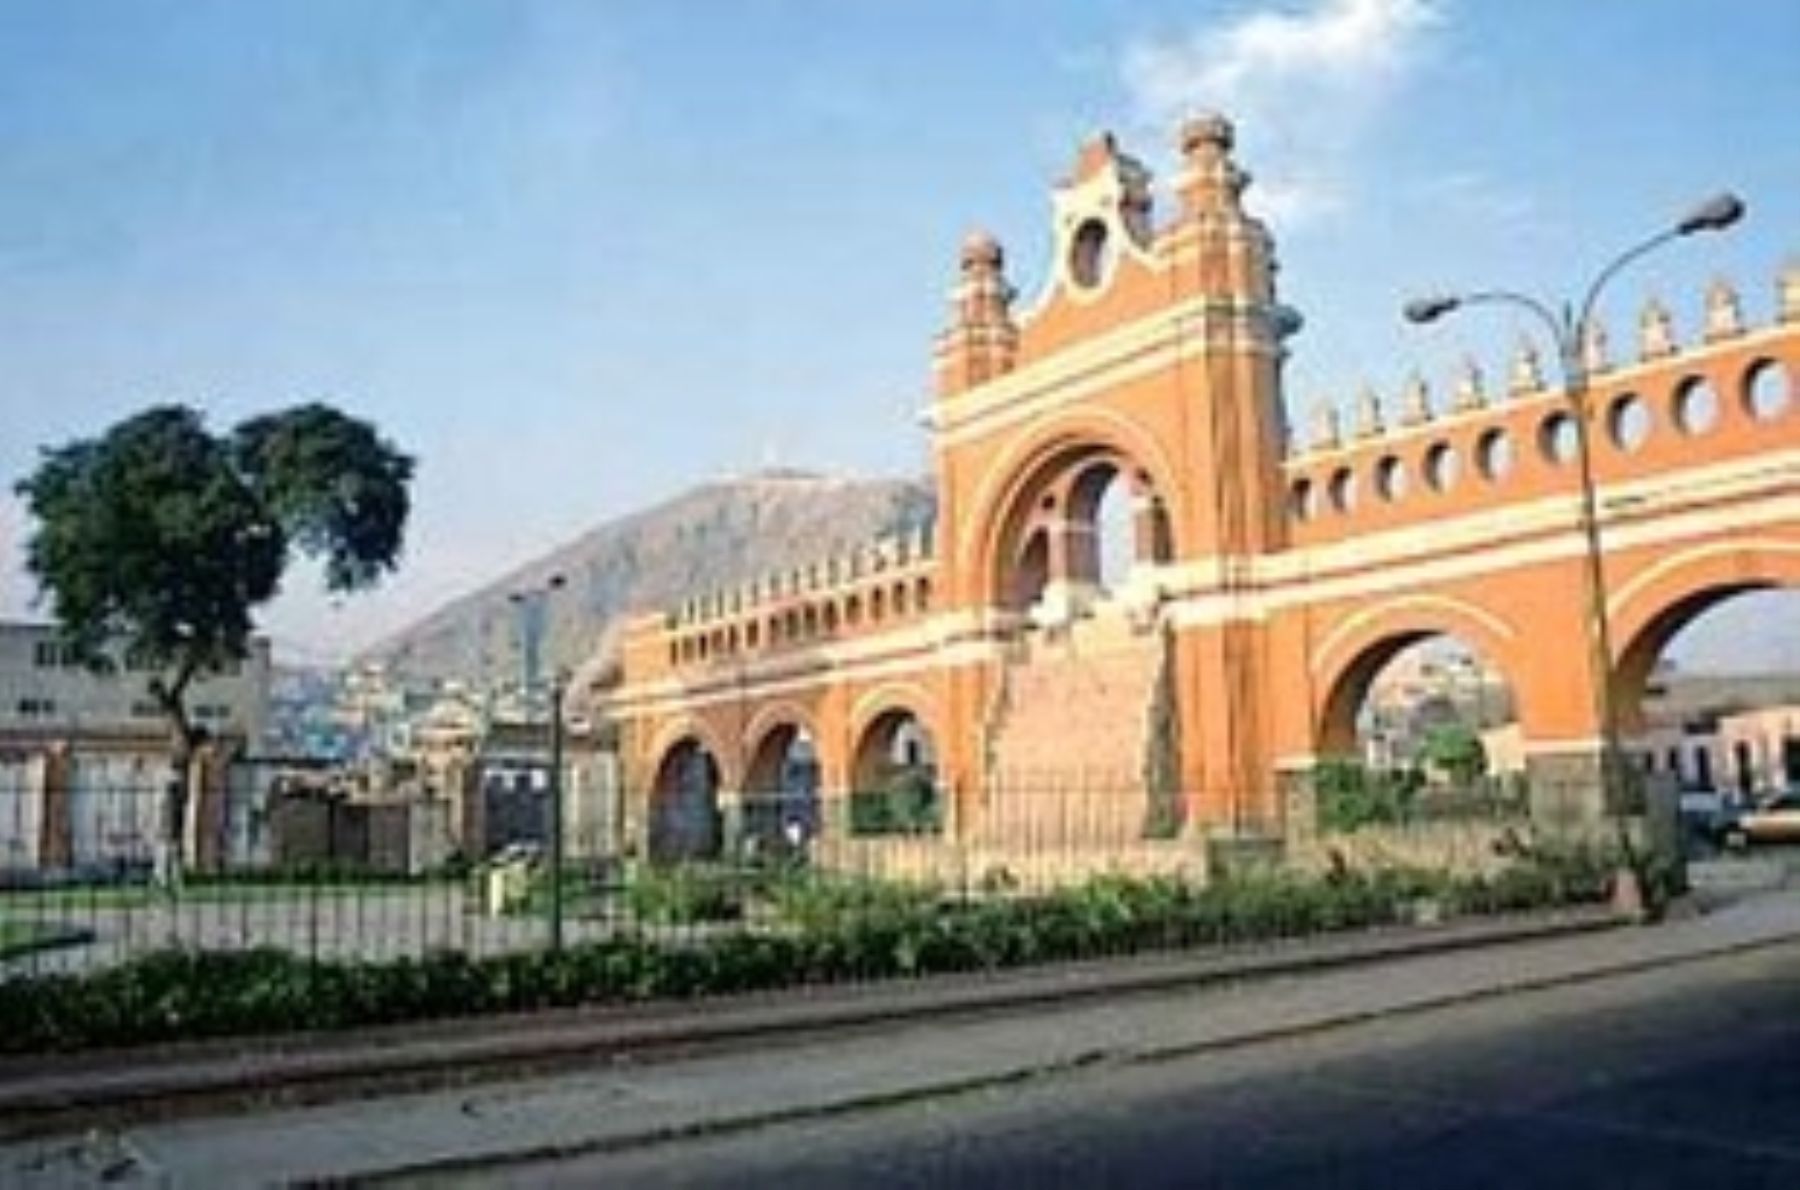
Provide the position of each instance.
(1578, 328)
(1430, 309)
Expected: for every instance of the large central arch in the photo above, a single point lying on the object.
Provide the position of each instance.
(1053, 530)
(1069, 461)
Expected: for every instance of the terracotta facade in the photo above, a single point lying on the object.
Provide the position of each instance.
(1271, 576)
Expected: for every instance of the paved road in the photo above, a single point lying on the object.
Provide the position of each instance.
(1684, 1077)
(1091, 1086)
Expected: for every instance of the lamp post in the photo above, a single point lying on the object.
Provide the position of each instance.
(532, 604)
(1570, 328)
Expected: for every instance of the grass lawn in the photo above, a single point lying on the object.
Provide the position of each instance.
(22, 937)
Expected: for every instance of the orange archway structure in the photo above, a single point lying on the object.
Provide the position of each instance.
(1264, 580)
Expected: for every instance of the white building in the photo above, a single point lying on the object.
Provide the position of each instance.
(84, 756)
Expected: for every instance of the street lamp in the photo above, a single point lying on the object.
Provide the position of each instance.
(532, 603)
(1570, 328)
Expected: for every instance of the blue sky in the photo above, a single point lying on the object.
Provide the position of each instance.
(580, 255)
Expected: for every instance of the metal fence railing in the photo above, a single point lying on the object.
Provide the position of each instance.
(337, 879)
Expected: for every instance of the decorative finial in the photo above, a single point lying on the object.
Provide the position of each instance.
(981, 252)
(1787, 292)
(1595, 356)
(1527, 369)
(1415, 403)
(1328, 428)
(1207, 132)
(980, 341)
(1470, 390)
(1210, 182)
(1656, 331)
(1368, 413)
(1724, 312)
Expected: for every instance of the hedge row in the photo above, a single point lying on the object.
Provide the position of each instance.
(833, 932)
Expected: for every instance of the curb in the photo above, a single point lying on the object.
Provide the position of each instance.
(1023, 1075)
(237, 1076)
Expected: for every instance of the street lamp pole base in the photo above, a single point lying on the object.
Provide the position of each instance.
(1628, 900)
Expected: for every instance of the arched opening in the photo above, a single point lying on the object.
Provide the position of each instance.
(684, 811)
(1031, 573)
(1091, 254)
(894, 777)
(1079, 526)
(1707, 693)
(1101, 529)
(1420, 724)
(781, 790)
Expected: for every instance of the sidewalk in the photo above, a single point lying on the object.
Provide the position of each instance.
(910, 1058)
(36, 1091)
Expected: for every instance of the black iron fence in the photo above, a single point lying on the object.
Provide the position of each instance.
(336, 879)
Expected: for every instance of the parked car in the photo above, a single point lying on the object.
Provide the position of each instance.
(1774, 819)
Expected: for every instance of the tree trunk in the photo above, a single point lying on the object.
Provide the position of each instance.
(171, 859)
(171, 851)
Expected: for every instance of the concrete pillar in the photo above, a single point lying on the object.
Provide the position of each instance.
(1566, 793)
(1568, 802)
(730, 825)
(1299, 799)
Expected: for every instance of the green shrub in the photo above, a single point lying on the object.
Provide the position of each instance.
(816, 901)
(688, 893)
(906, 803)
(829, 930)
(1352, 796)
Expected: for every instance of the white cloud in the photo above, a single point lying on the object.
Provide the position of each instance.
(1304, 85)
(1475, 195)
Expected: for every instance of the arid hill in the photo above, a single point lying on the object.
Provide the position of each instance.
(714, 535)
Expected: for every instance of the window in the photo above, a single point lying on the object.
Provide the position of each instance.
(36, 708)
(1628, 421)
(1696, 406)
(1766, 393)
(1090, 254)
(1390, 479)
(1441, 466)
(1558, 438)
(1494, 455)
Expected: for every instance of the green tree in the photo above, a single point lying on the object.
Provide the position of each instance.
(1455, 750)
(158, 539)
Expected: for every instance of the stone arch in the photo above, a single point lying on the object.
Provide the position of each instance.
(781, 777)
(1646, 612)
(892, 741)
(684, 801)
(1030, 570)
(769, 721)
(997, 529)
(906, 695)
(1354, 653)
(673, 731)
